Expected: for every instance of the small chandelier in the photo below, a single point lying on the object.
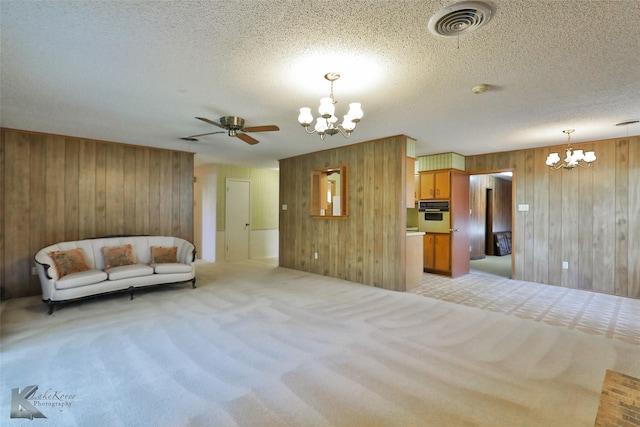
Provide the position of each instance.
(574, 157)
(327, 123)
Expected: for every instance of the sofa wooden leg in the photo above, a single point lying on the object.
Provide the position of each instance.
(131, 288)
(51, 305)
(193, 283)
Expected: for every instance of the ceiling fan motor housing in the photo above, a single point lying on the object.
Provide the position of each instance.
(232, 122)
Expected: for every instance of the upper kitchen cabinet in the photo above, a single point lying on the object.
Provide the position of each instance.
(411, 183)
(434, 185)
(411, 193)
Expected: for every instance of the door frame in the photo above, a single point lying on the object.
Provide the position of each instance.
(226, 214)
(514, 235)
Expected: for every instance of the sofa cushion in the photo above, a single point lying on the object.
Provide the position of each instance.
(69, 262)
(82, 278)
(115, 256)
(163, 255)
(172, 267)
(127, 271)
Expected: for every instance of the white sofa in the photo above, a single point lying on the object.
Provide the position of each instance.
(97, 280)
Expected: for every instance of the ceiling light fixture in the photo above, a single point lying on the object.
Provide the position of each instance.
(574, 157)
(327, 123)
(481, 88)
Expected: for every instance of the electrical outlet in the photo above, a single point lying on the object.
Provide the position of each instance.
(565, 265)
(315, 255)
(34, 271)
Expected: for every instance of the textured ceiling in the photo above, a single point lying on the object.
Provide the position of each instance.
(138, 72)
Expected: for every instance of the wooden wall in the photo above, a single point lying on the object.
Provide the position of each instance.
(56, 188)
(369, 245)
(587, 217)
(502, 210)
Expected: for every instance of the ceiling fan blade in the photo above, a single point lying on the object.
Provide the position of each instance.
(266, 128)
(203, 134)
(246, 138)
(210, 122)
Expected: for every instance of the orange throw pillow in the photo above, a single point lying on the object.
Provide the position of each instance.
(69, 262)
(115, 256)
(160, 255)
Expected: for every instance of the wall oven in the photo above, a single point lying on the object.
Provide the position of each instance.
(434, 216)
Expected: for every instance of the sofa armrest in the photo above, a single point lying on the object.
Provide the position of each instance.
(186, 251)
(48, 275)
(45, 265)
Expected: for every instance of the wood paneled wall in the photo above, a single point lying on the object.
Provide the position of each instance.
(587, 217)
(502, 210)
(56, 188)
(369, 245)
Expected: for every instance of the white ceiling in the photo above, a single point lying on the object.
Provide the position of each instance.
(138, 72)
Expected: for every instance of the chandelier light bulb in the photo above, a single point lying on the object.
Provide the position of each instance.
(327, 108)
(355, 112)
(589, 156)
(552, 159)
(305, 118)
(348, 124)
(321, 126)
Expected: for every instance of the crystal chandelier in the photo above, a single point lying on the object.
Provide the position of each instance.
(327, 123)
(573, 157)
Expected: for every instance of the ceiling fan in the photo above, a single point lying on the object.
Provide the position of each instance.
(235, 127)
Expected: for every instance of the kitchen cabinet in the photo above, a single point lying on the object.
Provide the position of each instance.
(411, 183)
(437, 252)
(434, 185)
(447, 253)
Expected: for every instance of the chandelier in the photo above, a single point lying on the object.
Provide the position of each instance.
(327, 123)
(573, 157)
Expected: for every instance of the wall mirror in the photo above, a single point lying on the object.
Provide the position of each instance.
(329, 192)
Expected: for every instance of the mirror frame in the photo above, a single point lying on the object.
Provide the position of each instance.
(318, 204)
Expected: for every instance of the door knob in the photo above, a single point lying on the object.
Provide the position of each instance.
(455, 230)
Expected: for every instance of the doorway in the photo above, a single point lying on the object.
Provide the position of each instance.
(488, 223)
(237, 223)
(490, 199)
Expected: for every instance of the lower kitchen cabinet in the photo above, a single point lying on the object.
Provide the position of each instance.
(437, 252)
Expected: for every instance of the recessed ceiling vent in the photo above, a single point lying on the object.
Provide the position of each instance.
(460, 18)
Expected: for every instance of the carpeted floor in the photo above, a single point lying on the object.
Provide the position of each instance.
(593, 313)
(492, 264)
(259, 345)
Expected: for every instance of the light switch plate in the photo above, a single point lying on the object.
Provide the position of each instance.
(523, 207)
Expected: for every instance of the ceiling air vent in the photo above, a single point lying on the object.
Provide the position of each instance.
(460, 18)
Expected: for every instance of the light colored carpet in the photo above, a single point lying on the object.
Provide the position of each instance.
(492, 264)
(593, 313)
(259, 345)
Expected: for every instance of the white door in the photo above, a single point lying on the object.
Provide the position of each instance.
(237, 224)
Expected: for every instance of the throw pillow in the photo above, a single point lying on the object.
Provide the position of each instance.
(115, 256)
(160, 255)
(68, 262)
